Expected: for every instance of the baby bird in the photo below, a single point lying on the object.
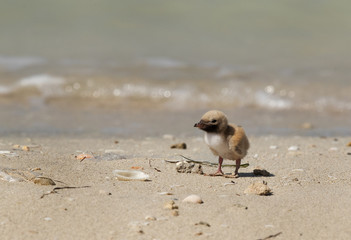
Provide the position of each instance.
(227, 141)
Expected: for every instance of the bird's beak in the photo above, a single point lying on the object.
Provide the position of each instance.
(201, 125)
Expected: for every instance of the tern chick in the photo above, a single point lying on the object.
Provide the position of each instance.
(227, 141)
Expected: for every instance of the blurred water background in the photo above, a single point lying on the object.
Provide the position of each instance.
(146, 68)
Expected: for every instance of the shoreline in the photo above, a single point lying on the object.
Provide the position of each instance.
(311, 190)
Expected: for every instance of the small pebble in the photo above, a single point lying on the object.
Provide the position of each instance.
(333, 149)
(175, 213)
(193, 199)
(48, 219)
(273, 147)
(307, 125)
(179, 146)
(349, 144)
(261, 172)
(25, 148)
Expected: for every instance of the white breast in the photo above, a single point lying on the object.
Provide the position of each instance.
(216, 142)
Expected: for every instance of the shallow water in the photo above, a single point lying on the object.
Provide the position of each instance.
(146, 69)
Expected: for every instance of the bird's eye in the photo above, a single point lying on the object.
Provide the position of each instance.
(214, 121)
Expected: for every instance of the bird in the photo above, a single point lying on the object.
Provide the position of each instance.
(227, 141)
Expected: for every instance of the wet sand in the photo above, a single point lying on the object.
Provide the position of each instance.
(311, 191)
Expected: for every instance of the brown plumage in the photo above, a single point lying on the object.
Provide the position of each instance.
(227, 141)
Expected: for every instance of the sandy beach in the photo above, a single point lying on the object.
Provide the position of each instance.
(310, 184)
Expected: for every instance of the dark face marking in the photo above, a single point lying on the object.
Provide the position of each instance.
(207, 126)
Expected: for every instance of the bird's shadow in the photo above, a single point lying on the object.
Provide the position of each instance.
(250, 174)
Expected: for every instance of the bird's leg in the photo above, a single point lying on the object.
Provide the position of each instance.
(220, 161)
(237, 166)
(219, 171)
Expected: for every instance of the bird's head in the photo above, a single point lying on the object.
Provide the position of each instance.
(213, 121)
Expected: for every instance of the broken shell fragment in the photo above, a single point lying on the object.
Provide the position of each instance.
(130, 175)
(84, 156)
(193, 199)
(150, 218)
(293, 148)
(258, 188)
(184, 167)
(170, 205)
(43, 181)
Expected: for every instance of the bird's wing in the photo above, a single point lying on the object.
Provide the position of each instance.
(238, 142)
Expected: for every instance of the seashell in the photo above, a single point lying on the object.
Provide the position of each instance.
(193, 199)
(43, 181)
(130, 175)
(307, 125)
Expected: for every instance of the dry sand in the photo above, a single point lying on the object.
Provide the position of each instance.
(311, 191)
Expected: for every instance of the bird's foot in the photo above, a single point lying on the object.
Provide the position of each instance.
(236, 175)
(216, 174)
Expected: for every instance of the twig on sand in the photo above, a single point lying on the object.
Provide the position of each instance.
(60, 188)
(158, 170)
(245, 165)
(271, 236)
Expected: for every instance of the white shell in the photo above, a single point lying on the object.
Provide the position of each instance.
(193, 199)
(293, 148)
(130, 175)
